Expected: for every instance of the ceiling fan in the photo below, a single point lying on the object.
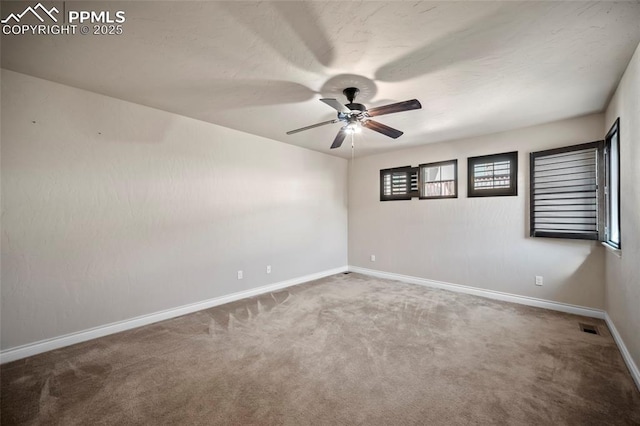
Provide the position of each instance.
(355, 116)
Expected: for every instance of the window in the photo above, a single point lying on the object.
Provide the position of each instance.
(612, 186)
(400, 183)
(493, 175)
(564, 196)
(439, 180)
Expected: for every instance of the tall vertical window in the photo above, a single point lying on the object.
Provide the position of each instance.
(612, 186)
(439, 180)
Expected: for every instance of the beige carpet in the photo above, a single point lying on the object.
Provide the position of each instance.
(346, 350)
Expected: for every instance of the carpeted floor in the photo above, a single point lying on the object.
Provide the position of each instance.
(347, 349)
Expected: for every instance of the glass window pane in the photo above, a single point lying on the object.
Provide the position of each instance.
(433, 189)
(448, 172)
(432, 174)
(449, 188)
(492, 175)
(614, 190)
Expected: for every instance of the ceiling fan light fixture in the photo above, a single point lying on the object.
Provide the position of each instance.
(354, 127)
(356, 116)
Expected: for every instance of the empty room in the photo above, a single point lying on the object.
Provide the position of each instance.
(320, 213)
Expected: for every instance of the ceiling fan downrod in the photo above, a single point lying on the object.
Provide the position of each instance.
(351, 93)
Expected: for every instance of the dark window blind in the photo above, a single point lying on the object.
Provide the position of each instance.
(400, 183)
(564, 192)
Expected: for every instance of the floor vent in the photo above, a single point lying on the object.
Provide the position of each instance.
(588, 328)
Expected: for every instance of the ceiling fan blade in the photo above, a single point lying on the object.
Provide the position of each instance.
(333, 103)
(381, 128)
(337, 142)
(397, 107)
(291, 132)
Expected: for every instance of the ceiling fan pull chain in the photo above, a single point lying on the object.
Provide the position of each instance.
(353, 150)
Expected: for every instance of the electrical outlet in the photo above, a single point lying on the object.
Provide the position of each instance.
(268, 269)
(539, 280)
(373, 257)
(239, 275)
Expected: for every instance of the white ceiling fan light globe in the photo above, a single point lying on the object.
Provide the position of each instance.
(353, 127)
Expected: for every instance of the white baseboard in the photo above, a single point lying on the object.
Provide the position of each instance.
(497, 295)
(631, 365)
(41, 346)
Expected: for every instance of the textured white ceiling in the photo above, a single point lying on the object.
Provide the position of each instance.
(260, 67)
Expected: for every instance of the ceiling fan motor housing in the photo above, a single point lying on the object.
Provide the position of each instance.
(356, 107)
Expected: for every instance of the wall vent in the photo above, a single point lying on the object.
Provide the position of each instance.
(589, 328)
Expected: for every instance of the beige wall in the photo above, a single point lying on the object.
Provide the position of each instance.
(623, 273)
(479, 242)
(112, 210)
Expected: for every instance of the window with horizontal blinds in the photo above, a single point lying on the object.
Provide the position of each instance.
(399, 183)
(565, 196)
(493, 175)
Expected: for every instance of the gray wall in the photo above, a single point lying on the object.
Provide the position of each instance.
(112, 210)
(479, 242)
(623, 273)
